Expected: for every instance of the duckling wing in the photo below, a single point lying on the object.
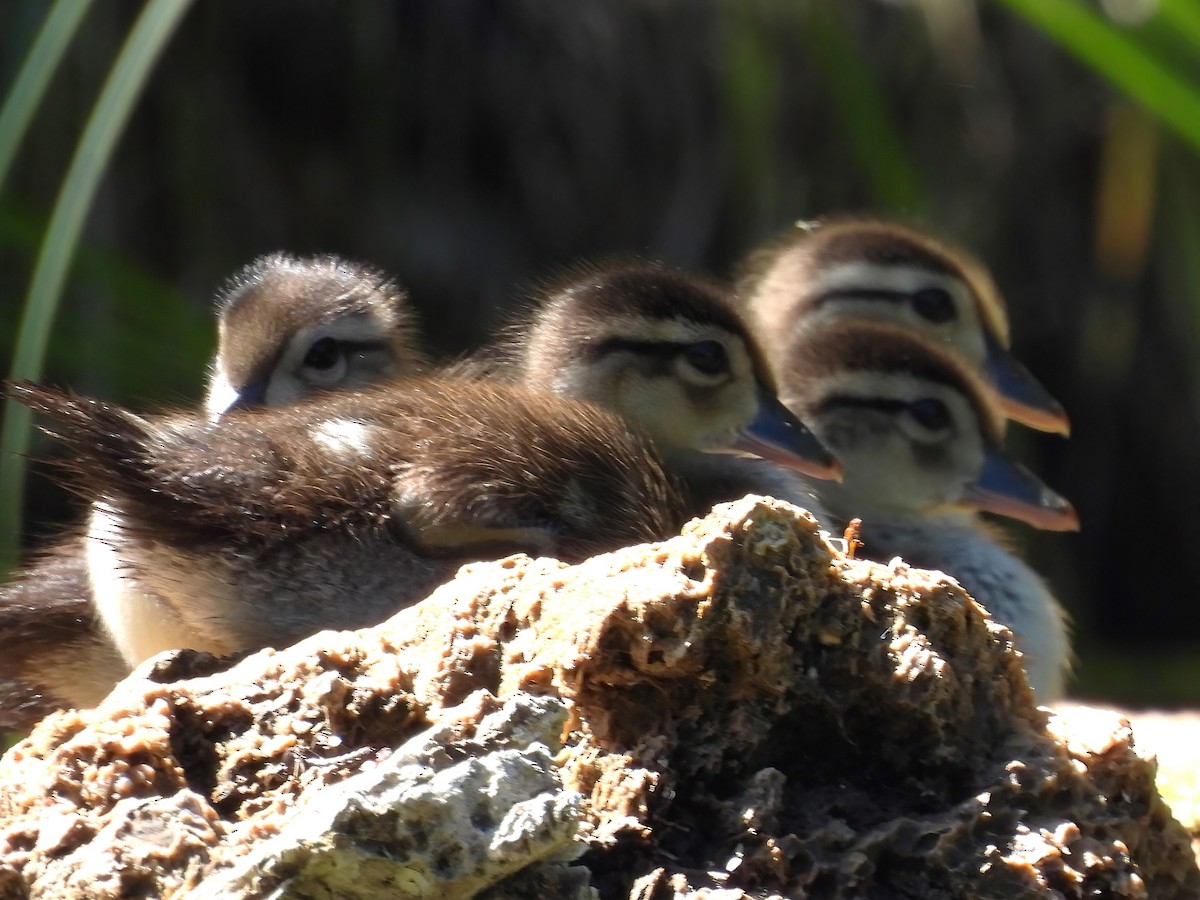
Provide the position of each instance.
(511, 469)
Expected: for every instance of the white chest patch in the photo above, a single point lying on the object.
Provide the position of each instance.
(345, 438)
(139, 625)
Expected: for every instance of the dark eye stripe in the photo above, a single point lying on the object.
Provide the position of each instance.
(849, 401)
(862, 294)
(662, 350)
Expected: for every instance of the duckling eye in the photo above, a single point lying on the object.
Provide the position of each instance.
(934, 304)
(322, 355)
(930, 413)
(707, 357)
(325, 363)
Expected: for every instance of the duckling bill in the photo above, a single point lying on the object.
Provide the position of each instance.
(1007, 488)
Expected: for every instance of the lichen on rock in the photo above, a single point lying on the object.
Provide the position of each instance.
(749, 713)
(513, 813)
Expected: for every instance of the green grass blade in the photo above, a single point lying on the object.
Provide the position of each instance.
(749, 93)
(1183, 16)
(1117, 57)
(27, 90)
(863, 109)
(146, 41)
(145, 305)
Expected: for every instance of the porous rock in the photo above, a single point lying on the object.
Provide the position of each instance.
(749, 713)
(512, 812)
(1168, 738)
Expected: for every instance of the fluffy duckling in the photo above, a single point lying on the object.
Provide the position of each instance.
(845, 269)
(918, 435)
(287, 327)
(339, 510)
(671, 354)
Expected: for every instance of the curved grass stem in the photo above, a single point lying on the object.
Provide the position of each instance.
(123, 86)
(27, 90)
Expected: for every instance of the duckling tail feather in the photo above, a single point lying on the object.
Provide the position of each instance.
(179, 478)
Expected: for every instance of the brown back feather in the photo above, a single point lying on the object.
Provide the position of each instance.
(483, 453)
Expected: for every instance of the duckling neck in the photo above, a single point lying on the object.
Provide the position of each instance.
(711, 478)
(925, 541)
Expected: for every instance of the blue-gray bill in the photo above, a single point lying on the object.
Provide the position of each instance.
(777, 435)
(1007, 488)
(251, 396)
(1022, 396)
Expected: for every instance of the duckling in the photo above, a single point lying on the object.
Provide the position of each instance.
(851, 268)
(671, 354)
(287, 327)
(338, 510)
(918, 435)
(690, 379)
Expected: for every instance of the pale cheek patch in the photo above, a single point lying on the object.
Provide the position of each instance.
(679, 331)
(902, 279)
(345, 438)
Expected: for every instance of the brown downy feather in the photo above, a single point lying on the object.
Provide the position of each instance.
(55, 651)
(443, 453)
(614, 334)
(583, 306)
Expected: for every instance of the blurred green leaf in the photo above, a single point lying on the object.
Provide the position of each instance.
(1183, 16)
(161, 328)
(1115, 54)
(750, 99)
(894, 180)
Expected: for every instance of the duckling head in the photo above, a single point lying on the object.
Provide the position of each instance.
(916, 430)
(291, 326)
(856, 269)
(670, 354)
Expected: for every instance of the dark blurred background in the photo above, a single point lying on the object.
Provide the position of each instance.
(471, 147)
